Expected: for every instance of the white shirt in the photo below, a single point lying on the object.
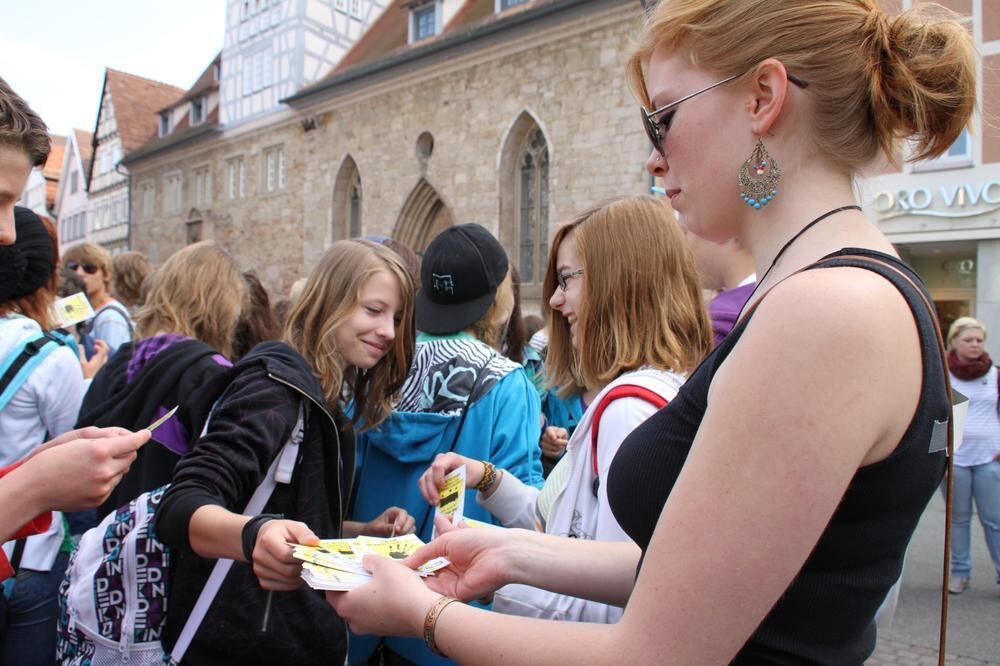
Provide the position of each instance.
(981, 438)
(47, 403)
(567, 500)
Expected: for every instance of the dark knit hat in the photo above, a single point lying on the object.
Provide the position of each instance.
(28, 263)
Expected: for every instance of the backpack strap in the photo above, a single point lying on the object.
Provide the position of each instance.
(111, 307)
(21, 362)
(280, 471)
(620, 391)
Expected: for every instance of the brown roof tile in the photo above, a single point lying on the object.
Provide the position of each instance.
(205, 83)
(84, 141)
(137, 102)
(388, 35)
(53, 166)
(181, 133)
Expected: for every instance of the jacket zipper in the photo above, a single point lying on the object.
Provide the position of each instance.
(340, 457)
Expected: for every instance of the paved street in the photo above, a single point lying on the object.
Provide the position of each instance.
(974, 617)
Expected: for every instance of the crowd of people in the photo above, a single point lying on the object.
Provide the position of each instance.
(677, 481)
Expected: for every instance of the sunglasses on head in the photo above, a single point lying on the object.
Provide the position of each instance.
(89, 269)
(657, 122)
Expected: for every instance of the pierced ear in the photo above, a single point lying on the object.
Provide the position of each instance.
(769, 85)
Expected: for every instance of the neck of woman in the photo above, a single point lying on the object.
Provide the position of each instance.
(807, 194)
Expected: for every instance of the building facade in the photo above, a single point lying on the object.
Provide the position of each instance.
(512, 115)
(274, 48)
(71, 197)
(127, 118)
(943, 215)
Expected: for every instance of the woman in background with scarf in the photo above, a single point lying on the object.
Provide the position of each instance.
(977, 461)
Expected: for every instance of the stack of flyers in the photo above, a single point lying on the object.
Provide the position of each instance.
(335, 564)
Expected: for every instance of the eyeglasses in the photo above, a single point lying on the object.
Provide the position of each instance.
(564, 278)
(656, 129)
(89, 269)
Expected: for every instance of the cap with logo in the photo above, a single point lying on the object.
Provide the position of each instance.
(459, 275)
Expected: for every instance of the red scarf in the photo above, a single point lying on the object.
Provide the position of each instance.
(969, 369)
(972, 369)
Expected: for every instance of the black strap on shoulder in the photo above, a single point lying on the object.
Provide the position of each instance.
(30, 350)
(875, 261)
(18, 554)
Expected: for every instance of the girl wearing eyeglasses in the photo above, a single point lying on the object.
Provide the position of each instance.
(626, 321)
(773, 499)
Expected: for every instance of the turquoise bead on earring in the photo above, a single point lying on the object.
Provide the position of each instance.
(759, 176)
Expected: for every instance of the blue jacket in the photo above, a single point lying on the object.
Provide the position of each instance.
(503, 426)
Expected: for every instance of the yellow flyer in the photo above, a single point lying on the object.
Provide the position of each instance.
(452, 502)
(71, 310)
(397, 548)
(340, 547)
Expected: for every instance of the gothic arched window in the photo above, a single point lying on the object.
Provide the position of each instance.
(533, 208)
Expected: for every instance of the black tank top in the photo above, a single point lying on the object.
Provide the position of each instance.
(826, 616)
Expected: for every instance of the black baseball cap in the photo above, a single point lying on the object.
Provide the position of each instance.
(459, 276)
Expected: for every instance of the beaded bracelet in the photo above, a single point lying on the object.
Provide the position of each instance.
(489, 477)
(430, 622)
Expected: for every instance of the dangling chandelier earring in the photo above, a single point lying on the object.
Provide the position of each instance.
(759, 177)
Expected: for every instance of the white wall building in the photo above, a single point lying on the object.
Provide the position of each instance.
(274, 48)
(128, 117)
(71, 196)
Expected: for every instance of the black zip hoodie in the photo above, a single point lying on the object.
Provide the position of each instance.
(253, 419)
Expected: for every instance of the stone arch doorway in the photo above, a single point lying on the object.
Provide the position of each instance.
(423, 217)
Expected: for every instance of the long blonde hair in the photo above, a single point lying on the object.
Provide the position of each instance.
(872, 80)
(492, 326)
(198, 292)
(642, 301)
(329, 298)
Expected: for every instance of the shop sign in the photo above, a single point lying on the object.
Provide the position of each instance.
(952, 201)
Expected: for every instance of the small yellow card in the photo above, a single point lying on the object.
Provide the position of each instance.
(452, 496)
(71, 310)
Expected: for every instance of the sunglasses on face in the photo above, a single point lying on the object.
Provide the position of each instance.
(89, 269)
(657, 121)
(564, 278)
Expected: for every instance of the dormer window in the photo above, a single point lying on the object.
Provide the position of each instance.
(215, 72)
(165, 123)
(197, 111)
(424, 21)
(507, 4)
